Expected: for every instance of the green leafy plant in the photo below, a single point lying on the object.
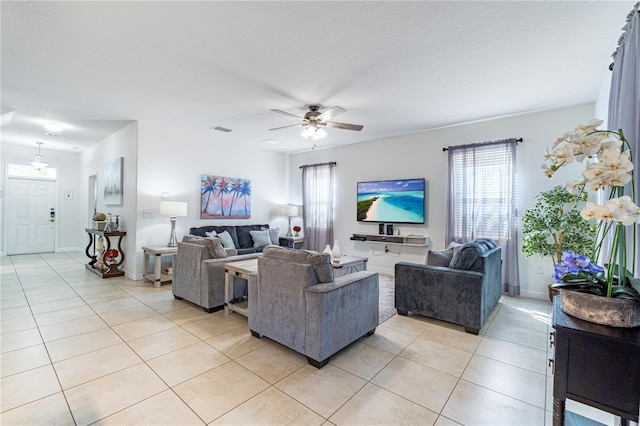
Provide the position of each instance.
(554, 225)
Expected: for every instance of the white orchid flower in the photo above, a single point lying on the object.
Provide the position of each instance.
(589, 210)
(564, 153)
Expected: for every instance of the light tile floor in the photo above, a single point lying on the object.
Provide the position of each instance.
(76, 349)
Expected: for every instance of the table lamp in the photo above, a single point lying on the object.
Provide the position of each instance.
(289, 211)
(173, 209)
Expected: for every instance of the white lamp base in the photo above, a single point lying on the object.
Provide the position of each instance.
(173, 242)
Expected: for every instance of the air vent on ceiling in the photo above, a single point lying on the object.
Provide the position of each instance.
(222, 129)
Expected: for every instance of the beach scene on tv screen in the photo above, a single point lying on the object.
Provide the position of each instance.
(391, 201)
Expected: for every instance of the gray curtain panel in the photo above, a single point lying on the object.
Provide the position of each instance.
(482, 201)
(624, 101)
(317, 205)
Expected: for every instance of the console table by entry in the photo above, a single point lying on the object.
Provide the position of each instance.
(110, 270)
(595, 365)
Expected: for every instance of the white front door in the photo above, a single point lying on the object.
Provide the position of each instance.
(30, 216)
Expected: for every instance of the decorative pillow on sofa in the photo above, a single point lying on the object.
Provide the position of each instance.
(321, 262)
(467, 255)
(274, 234)
(211, 234)
(260, 238)
(440, 257)
(212, 244)
(226, 239)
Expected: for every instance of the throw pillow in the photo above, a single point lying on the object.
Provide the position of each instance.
(260, 238)
(440, 257)
(211, 234)
(320, 262)
(226, 239)
(216, 249)
(274, 234)
(467, 255)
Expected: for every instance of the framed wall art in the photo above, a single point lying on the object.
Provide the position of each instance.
(113, 182)
(224, 197)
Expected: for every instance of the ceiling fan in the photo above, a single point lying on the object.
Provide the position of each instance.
(314, 120)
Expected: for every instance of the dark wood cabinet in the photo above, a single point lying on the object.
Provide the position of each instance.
(595, 365)
(106, 270)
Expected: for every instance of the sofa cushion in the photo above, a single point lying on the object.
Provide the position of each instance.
(226, 240)
(467, 255)
(440, 257)
(260, 238)
(243, 232)
(320, 262)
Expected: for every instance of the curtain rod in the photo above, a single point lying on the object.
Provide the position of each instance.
(331, 163)
(484, 143)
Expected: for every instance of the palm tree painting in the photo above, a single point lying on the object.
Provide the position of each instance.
(224, 197)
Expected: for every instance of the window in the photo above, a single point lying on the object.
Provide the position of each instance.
(481, 191)
(483, 199)
(28, 171)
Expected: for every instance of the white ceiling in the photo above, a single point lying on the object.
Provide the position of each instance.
(396, 67)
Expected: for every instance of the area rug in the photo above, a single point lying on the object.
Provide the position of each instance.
(387, 298)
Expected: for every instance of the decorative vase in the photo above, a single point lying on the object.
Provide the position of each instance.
(297, 234)
(601, 310)
(327, 250)
(336, 249)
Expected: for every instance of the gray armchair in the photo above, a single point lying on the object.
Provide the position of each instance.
(461, 288)
(295, 301)
(199, 272)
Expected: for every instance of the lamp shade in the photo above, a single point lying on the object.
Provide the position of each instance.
(289, 211)
(173, 208)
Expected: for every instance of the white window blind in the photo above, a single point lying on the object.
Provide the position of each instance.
(482, 188)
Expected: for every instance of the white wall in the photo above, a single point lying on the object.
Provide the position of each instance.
(421, 155)
(123, 143)
(68, 214)
(172, 159)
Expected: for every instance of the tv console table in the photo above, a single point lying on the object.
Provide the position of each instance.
(407, 240)
(595, 365)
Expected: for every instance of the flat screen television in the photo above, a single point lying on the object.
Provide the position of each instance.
(392, 201)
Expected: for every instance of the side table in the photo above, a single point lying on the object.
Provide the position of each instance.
(291, 242)
(595, 365)
(349, 265)
(243, 269)
(157, 252)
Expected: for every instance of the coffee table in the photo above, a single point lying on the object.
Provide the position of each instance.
(349, 265)
(243, 269)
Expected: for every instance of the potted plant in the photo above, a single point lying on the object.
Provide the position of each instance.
(554, 225)
(609, 167)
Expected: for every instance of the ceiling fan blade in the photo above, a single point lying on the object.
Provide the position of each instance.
(345, 126)
(291, 125)
(330, 113)
(286, 113)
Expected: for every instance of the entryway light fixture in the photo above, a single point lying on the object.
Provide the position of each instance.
(173, 209)
(38, 162)
(54, 127)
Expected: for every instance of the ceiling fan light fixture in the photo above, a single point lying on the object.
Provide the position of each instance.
(38, 162)
(313, 133)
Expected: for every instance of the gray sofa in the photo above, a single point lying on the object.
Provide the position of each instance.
(295, 301)
(243, 237)
(459, 286)
(199, 271)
